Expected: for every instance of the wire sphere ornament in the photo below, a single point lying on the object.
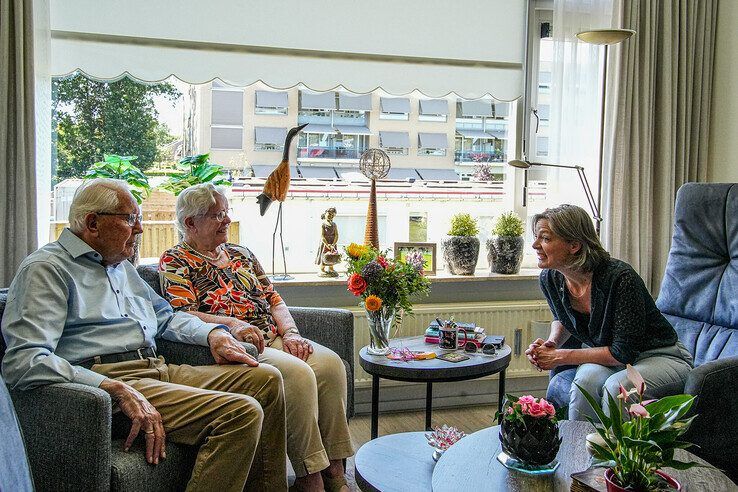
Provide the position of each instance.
(374, 164)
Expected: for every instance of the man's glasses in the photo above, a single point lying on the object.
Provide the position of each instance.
(130, 219)
(486, 349)
(220, 216)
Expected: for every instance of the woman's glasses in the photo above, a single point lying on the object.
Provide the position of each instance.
(220, 216)
(486, 349)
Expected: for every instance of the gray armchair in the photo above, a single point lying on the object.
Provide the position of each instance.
(74, 442)
(699, 296)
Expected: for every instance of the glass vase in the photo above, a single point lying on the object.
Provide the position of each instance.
(533, 442)
(380, 324)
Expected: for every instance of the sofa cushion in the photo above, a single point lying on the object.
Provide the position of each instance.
(698, 292)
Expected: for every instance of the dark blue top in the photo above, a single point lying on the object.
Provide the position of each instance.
(623, 315)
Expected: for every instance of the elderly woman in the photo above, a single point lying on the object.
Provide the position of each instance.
(604, 305)
(221, 282)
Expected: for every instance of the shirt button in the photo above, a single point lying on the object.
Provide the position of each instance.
(117, 291)
(125, 315)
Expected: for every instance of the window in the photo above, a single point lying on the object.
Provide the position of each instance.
(432, 110)
(540, 95)
(394, 143)
(418, 227)
(271, 102)
(269, 138)
(226, 124)
(432, 144)
(394, 108)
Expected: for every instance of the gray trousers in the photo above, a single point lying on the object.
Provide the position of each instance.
(659, 367)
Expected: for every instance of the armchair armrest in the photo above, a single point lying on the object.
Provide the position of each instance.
(194, 355)
(715, 385)
(66, 427)
(332, 328)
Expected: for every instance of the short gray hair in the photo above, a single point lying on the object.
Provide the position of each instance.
(95, 195)
(572, 223)
(196, 200)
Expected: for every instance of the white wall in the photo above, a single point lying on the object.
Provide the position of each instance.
(723, 166)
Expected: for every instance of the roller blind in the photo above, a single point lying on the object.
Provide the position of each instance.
(424, 44)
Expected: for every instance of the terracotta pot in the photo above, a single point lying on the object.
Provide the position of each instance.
(613, 487)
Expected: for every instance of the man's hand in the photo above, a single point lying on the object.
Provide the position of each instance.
(143, 416)
(226, 350)
(294, 344)
(246, 332)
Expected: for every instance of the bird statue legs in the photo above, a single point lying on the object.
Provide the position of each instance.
(278, 224)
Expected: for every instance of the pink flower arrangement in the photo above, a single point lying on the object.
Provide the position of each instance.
(518, 408)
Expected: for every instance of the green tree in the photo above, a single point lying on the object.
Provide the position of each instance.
(93, 118)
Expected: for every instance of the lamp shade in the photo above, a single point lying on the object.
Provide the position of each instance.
(519, 164)
(605, 36)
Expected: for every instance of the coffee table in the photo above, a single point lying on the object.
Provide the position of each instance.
(429, 372)
(403, 462)
(471, 464)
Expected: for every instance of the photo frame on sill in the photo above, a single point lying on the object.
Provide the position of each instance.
(428, 250)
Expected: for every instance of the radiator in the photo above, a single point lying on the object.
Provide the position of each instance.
(509, 318)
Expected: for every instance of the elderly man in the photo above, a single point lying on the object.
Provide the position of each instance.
(78, 312)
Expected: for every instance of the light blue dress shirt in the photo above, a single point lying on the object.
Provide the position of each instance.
(64, 307)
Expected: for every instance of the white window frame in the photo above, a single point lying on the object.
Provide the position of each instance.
(395, 150)
(430, 151)
(394, 116)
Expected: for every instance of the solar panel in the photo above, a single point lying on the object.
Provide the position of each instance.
(317, 172)
(438, 174)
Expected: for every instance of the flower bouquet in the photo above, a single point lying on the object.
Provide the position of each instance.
(385, 286)
(634, 451)
(529, 432)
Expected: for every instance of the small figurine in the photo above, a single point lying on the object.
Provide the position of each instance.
(328, 254)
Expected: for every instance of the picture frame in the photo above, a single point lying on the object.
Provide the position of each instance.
(428, 251)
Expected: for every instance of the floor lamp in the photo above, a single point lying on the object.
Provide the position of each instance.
(593, 204)
(604, 37)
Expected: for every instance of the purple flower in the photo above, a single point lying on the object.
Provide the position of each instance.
(372, 271)
(415, 259)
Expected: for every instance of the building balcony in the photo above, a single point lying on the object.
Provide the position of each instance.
(318, 152)
(479, 156)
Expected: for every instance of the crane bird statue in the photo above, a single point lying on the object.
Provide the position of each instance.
(275, 188)
(374, 164)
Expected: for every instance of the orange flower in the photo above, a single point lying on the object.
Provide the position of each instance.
(373, 303)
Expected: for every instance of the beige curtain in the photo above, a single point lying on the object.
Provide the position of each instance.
(17, 137)
(659, 129)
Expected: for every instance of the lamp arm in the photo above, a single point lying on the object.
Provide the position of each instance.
(552, 165)
(590, 197)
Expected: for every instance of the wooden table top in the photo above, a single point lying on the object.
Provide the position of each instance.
(432, 370)
(471, 464)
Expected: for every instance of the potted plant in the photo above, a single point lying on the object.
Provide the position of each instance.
(385, 286)
(120, 167)
(505, 247)
(529, 431)
(197, 169)
(461, 247)
(635, 451)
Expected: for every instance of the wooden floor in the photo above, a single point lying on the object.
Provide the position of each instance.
(468, 419)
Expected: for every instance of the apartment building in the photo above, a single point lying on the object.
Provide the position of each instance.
(427, 139)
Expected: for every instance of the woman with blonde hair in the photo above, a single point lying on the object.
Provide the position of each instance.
(604, 306)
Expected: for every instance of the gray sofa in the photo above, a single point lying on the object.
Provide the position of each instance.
(74, 442)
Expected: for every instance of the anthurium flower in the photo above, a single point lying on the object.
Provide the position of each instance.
(635, 377)
(373, 303)
(624, 394)
(639, 410)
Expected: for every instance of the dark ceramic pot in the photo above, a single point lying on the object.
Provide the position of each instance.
(505, 254)
(461, 254)
(614, 487)
(533, 443)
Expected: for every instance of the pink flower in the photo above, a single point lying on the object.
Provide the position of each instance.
(536, 410)
(639, 410)
(636, 378)
(548, 408)
(510, 410)
(525, 402)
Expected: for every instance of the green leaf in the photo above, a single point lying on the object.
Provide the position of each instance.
(604, 419)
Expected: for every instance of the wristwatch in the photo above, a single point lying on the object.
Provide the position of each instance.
(291, 330)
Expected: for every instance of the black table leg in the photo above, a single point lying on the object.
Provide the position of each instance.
(375, 406)
(501, 391)
(428, 405)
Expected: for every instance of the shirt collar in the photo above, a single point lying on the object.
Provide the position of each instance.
(75, 246)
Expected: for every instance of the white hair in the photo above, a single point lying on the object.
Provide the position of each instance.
(95, 195)
(196, 200)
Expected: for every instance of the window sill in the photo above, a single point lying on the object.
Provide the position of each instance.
(313, 279)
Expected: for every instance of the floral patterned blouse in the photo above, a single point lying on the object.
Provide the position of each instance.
(240, 289)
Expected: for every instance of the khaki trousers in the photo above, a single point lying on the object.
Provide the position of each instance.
(234, 413)
(317, 430)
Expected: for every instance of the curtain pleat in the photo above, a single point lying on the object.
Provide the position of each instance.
(659, 139)
(17, 137)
